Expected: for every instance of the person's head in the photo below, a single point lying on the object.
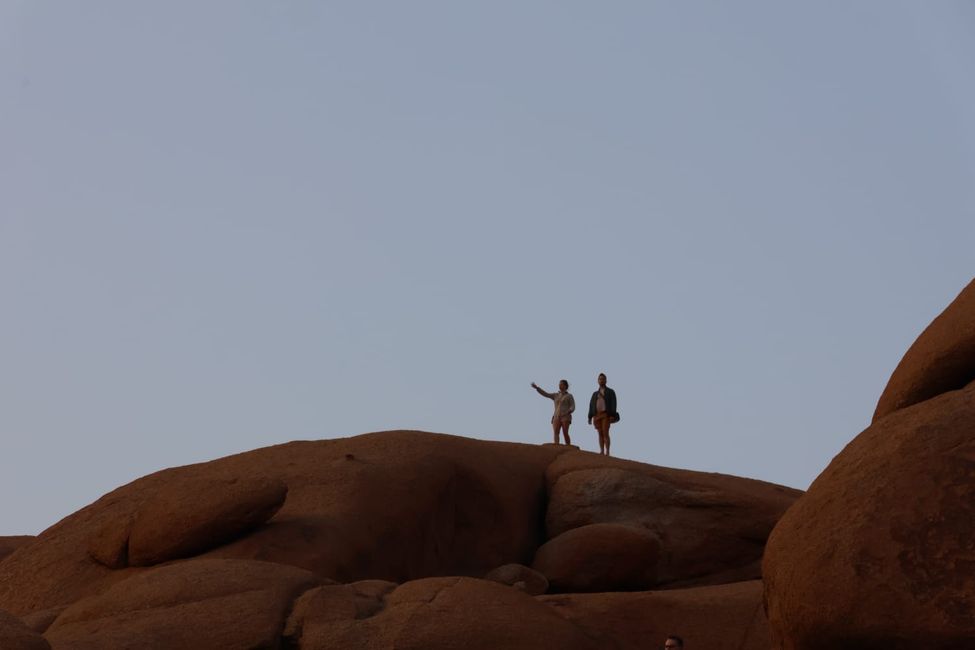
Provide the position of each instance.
(563, 384)
(601, 379)
(673, 641)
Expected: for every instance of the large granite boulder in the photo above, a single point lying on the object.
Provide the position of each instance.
(720, 617)
(600, 557)
(711, 527)
(223, 604)
(433, 613)
(197, 513)
(190, 514)
(940, 360)
(880, 552)
(394, 505)
(362, 515)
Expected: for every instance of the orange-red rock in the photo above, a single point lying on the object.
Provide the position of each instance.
(15, 635)
(195, 513)
(404, 505)
(226, 604)
(940, 360)
(109, 545)
(40, 620)
(880, 552)
(442, 613)
(393, 505)
(722, 617)
(10, 543)
(600, 557)
(712, 527)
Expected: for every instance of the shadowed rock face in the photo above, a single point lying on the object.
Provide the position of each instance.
(435, 613)
(524, 578)
(361, 526)
(720, 617)
(942, 358)
(880, 552)
(15, 635)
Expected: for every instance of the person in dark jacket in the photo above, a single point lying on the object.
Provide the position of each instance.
(602, 412)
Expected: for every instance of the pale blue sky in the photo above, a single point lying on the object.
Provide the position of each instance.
(230, 224)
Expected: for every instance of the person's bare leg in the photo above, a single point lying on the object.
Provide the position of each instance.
(555, 431)
(604, 436)
(565, 433)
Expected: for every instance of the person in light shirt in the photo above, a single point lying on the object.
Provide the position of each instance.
(565, 404)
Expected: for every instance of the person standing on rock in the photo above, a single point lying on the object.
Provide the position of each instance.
(602, 412)
(565, 404)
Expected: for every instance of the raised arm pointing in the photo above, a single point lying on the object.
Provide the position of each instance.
(542, 392)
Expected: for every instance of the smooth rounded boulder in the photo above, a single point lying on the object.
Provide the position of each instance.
(879, 553)
(600, 557)
(195, 513)
(227, 604)
(942, 358)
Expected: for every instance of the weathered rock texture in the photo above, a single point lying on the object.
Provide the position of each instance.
(225, 604)
(880, 552)
(15, 635)
(721, 617)
(940, 360)
(462, 613)
(712, 527)
(196, 513)
(600, 557)
(388, 534)
(10, 543)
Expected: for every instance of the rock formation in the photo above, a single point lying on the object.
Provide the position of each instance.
(942, 358)
(880, 552)
(10, 543)
(382, 540)
(16, 635)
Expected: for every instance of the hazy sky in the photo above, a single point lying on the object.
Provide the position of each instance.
(230, 224)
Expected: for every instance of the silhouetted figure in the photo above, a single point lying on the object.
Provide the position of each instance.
(602, 412)
(673, 641)
(565, 404)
